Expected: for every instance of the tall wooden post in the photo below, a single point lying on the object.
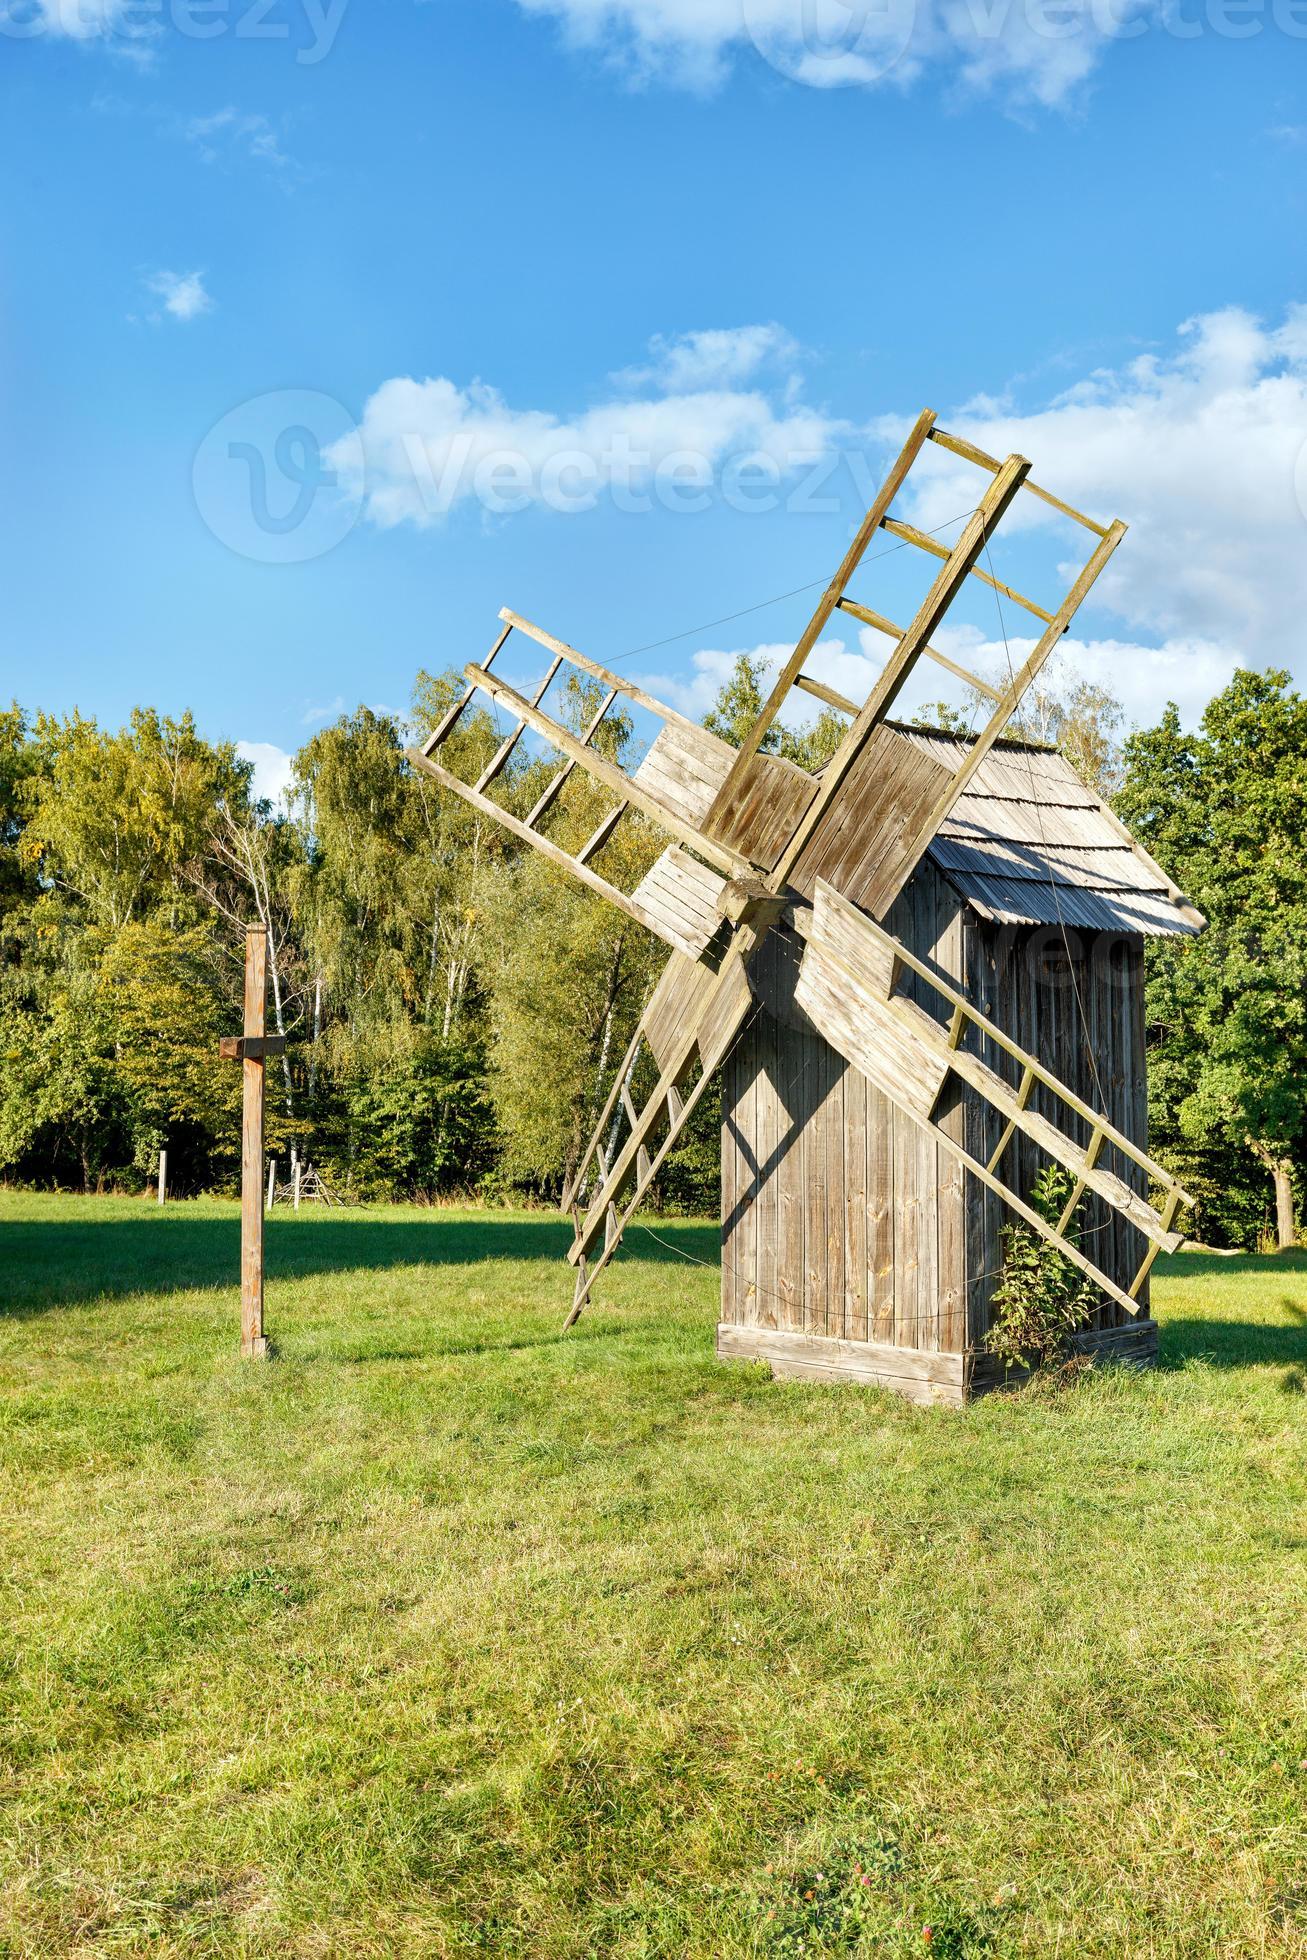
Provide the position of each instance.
(252, 1051)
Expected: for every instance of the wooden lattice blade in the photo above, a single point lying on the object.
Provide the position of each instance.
(848, 987)
(719, 1005)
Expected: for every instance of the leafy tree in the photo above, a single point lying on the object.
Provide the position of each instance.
(17, 766)
(742, 698)
(165, 998)
(1221, 810)
(116, 819)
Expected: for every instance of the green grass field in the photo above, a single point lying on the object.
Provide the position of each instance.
(445, 1634)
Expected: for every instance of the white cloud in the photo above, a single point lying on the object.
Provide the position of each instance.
(1203, 451)
(273, 771)
(1143, 678)
(110, 23)
(230, 130)
(719, 357)
(424, 447)
(182, 293)
(1033, 51)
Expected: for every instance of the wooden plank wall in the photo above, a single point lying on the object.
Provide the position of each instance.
(1084, 1017)
(840, 1216)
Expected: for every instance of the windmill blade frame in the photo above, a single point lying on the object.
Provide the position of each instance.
(753, 841)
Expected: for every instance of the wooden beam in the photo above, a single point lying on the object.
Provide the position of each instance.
(723, 809)
(251, 1048)
(250, 1052)
(827, 694)
(905, 656)
(1014, 694)
(960, 447)
(883, 625)
(608, 773)
(592, 667)
(542, 844)
(445, 726)
(924, 542)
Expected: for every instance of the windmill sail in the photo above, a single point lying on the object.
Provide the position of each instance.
(752, 839)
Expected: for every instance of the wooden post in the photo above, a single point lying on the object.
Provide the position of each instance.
(252, 1050)
(163, 1176)
(272, 1182)
(296, 1183)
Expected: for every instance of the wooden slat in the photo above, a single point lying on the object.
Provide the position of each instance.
(725, 808)
(601, 834)
(607, 772)
(444, 727)
(960, 447)
(924, 542)
(505, 749)
(544, 845)
(904, 659)
(867, 617)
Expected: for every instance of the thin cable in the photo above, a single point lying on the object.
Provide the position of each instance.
(708, 625)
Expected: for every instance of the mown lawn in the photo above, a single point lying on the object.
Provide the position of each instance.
(444, 1634)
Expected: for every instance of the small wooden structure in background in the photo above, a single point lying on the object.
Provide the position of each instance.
(889, 1093)
(252, 1050)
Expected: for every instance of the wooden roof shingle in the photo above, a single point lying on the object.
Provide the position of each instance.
(1030, 844)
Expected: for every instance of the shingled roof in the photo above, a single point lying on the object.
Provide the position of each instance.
(1029, 844)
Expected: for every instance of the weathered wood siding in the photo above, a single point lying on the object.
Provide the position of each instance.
(841, 1218)
(1084, 1017)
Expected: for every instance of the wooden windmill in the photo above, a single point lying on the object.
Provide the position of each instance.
(916, 974)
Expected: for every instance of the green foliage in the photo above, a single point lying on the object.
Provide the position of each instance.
(741, 699)
(1041, 1299)
(1221, 810)
(117, 820)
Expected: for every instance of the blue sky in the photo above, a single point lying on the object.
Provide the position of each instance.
(278, 277)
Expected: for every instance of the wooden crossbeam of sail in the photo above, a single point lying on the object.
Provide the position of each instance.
(734, 785)
(932, 546)
(968, 450)
(902, 661)
(867, 617)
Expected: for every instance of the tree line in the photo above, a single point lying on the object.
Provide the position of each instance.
(455, 1008)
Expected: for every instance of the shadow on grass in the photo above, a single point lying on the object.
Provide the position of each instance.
(50, 1264)
(1233, 1344)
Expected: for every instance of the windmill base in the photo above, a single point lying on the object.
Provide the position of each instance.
(943, 1380)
